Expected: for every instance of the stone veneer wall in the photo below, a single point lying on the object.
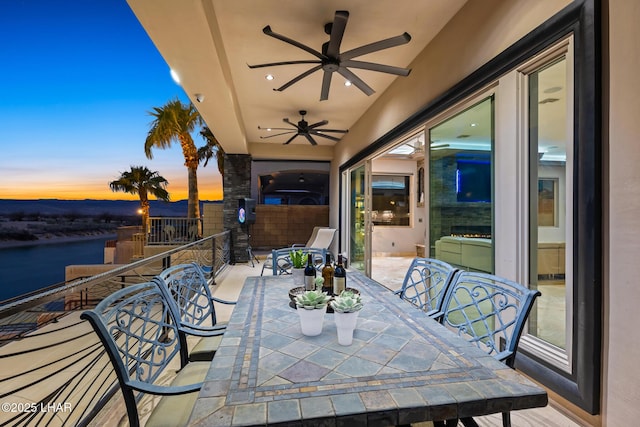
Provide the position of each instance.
(236, 186)
(278, 226)
(445, 211)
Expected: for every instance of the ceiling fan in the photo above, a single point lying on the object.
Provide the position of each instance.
(303, 128)
(331, 60)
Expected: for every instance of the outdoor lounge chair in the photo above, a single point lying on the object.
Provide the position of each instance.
(279, 261)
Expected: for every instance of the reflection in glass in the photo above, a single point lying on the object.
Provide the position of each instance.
(549, 224)
(390, 200)
(461, 188)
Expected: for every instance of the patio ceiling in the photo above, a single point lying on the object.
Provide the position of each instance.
(210, 42)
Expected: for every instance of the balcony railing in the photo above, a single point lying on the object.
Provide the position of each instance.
(53, 370)
(172, 231)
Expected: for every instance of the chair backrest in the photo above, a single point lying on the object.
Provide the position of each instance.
(313, 236)
(281, 259)
(425, 284)
(323, 238)
(489, 311)
(139, 333)
(187, 287)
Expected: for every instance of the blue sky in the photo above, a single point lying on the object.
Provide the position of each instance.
(77, 80)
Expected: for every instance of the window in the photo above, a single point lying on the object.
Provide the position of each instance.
(390, 203)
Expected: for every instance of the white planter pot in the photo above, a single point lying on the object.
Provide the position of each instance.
(298, 276)
(345, 323)
(311, 320)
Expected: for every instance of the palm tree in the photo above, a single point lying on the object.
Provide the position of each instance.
(175, 122)
(213, 147)
(141, 181)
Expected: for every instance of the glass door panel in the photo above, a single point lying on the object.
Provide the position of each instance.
(461, 189)
(549, 207)
(360, 219)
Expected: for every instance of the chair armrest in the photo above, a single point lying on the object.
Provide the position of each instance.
(222, 301)
(164, 390)
(211, 331)
(504, 357)
(397, 292)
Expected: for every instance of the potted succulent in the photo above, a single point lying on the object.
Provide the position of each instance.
(311, 307)
(346, 307)
(298, 261)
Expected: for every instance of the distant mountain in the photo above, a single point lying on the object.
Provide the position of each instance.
(93, 207)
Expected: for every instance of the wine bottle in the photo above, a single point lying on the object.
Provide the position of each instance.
(339, 277)
(327, 275)
(309, 274)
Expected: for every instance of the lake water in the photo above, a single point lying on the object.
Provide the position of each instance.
(29, 268)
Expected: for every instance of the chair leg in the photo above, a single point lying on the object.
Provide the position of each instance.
(506, 419)
(469, 422)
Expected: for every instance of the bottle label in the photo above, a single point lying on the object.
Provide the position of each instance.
(339, 284)
(309, 283)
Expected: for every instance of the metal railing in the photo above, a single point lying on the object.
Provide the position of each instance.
(53, 369)
(171, 231)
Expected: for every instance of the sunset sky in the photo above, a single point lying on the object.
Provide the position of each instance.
(77, 81)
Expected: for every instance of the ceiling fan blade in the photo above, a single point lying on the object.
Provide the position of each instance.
(291, 139)
(376, 46)
(311, 140)
(321, 123)
(278, 134)
(261, 128)
(347, 74)
(326, 84)
(331, 130)
(337, 31)
(298, 78)
(295, 125)
(389, 69)
(274, 64)
(267, 31)
(333, 138)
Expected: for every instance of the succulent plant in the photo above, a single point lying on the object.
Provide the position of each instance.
(346, 302)
(311, 300)
(298, 258)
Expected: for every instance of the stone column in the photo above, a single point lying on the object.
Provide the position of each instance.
(236, 185)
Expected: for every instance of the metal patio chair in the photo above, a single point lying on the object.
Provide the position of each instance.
(140, 334)
(425, 283)
(187, 289)
(489, 311)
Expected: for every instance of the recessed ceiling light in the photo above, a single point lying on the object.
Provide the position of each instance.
(269, 77)
(174, 76)
(268, 129)
(347, 83)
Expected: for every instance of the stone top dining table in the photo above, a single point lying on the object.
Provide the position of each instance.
(402, 367)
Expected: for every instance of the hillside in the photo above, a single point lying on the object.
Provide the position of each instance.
(89, 207)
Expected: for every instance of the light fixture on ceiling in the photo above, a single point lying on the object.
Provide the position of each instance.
(174, 76)
(199, 97)
(269, 77)
(347, 83)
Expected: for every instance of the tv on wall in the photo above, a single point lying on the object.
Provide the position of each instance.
(473, 179)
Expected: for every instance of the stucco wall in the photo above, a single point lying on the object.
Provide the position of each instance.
(622, 290)
(479, 32)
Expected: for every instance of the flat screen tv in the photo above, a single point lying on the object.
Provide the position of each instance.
(473, 180)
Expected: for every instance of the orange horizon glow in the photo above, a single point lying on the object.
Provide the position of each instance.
(62, 192)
